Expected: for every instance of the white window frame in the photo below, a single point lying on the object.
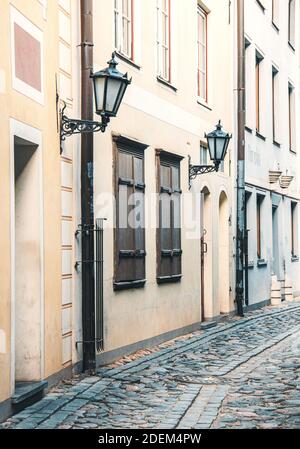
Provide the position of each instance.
(163, 47)
(119, 18)
(203, 14)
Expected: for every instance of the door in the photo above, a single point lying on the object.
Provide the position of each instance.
(203, 252)
(275, 245)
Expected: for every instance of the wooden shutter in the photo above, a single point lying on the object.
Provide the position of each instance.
(169, 233)
(130, 249)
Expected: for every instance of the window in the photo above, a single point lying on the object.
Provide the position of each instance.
(291, 24)
(169, 233)
(259, 201)
(203, 154)
(275, 13)
(259, 60)
(130, 251)
(294, 226)
(248, 83)
(163, 39)
(275, 108)
(124, 27)
(202, 53)
(291, 118)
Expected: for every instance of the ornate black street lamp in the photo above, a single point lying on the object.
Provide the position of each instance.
(217, 142)
(109, 88)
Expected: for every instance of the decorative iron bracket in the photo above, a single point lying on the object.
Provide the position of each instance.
(195, 170)
(69, 126)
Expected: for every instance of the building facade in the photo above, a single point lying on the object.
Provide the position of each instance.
(272, 153)
(164, 244)
(36, 208)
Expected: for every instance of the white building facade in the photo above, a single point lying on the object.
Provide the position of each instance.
(272, 149)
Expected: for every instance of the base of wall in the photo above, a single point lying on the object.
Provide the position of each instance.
(257, 305)
(111, 356)
(8, 409)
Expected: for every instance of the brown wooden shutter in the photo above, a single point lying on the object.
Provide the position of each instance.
(169, 233)
(130, 250)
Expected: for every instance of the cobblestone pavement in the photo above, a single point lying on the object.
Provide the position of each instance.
(244, 373)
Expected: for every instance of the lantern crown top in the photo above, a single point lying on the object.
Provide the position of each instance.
(218, 133)
(111, 71)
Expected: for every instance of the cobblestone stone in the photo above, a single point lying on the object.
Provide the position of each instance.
(243, 373)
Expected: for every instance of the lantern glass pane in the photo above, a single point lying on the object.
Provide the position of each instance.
(99, 84)
(120, 97)
(220, 145)
(211, 147)
(113, 87)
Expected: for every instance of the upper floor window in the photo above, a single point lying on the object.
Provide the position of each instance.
(291, 24)
(164, 39)
(275, 104)
(203, 154)
(124, 27)
(202, 53)
(275, 13)
(291, 118)
(258, 87)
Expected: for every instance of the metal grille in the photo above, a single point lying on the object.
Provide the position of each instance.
(99, 284)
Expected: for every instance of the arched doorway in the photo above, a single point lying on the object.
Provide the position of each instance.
(206, 256)
(223, 272)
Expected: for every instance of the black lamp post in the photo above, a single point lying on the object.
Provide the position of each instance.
(109, 88)
(217, 142)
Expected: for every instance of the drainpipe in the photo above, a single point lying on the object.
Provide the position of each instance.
(240, 234)
(87, 190)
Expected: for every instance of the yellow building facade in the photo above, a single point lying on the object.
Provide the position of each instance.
(182, 84)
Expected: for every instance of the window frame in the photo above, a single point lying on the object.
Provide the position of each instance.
(291, 38)
(275, 14)
(166, 46)
(122, 144)
(164, 158)
(294, 233)
(291, 117)
(258, 61)
(259, 201)
(119, 28)
(275, 74)
(201, 12)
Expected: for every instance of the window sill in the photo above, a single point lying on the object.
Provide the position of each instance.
(294, 259)
(249, 130)
(291, 47)
(127, 60)
(260, 136)
(129, 285)
(262, 263)
(169, 279)
(277, 144)
(166, 83)
(203, 103)
(275, 26)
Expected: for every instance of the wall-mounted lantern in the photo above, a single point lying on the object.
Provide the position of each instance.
(109, 88)
(217, 142)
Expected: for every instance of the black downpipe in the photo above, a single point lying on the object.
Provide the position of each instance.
(87, 190)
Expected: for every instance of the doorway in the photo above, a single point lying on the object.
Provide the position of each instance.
(275, 243)
(206, 256)
(223, 283)
(27, 259)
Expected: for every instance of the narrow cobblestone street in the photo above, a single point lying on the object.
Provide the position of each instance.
(243, 373)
